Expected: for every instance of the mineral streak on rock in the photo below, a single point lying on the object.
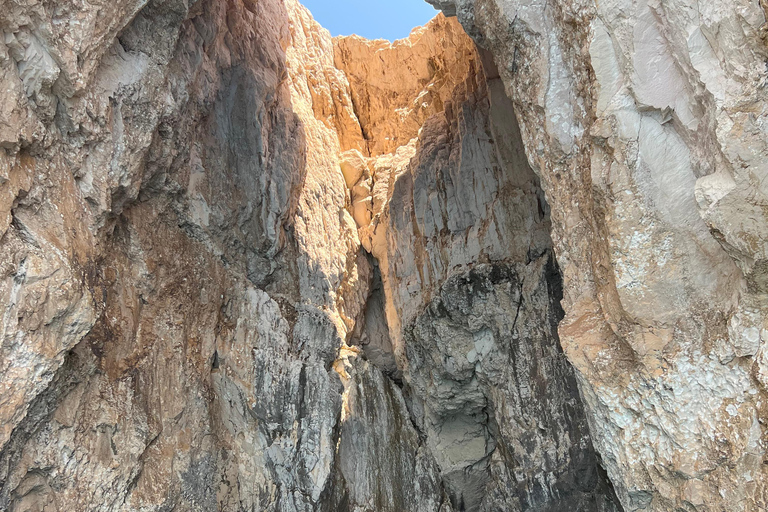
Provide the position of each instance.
(247, 266)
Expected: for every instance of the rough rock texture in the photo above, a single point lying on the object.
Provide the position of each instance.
(153, 282)
(396, 87)
(246, 266)
(646, 122)
(473, 296)
(206, 303)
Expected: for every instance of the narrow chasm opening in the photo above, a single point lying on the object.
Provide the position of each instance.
(456, 391)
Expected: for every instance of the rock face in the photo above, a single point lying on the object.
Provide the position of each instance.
(215, 293)
(246, 266)
(646, 122)
(459, 228)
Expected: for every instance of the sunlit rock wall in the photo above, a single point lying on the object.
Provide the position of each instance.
(205, 303)
(459, 229)
(171, 309)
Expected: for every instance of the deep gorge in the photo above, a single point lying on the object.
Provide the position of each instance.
(513, 262)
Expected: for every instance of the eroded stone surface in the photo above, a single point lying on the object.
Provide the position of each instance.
(474, 301)
(249, 267)
(183, 268)
(645, 122)
(155, 201)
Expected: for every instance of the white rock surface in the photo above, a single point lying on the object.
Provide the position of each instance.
(646, 122)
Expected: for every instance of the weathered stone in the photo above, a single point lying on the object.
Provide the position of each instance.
(644, 121)
(247, 266)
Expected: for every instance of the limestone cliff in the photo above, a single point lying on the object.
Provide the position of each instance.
(646, 122)
(207, 295)
(246, 266)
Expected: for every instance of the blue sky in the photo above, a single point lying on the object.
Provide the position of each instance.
(372, 19)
